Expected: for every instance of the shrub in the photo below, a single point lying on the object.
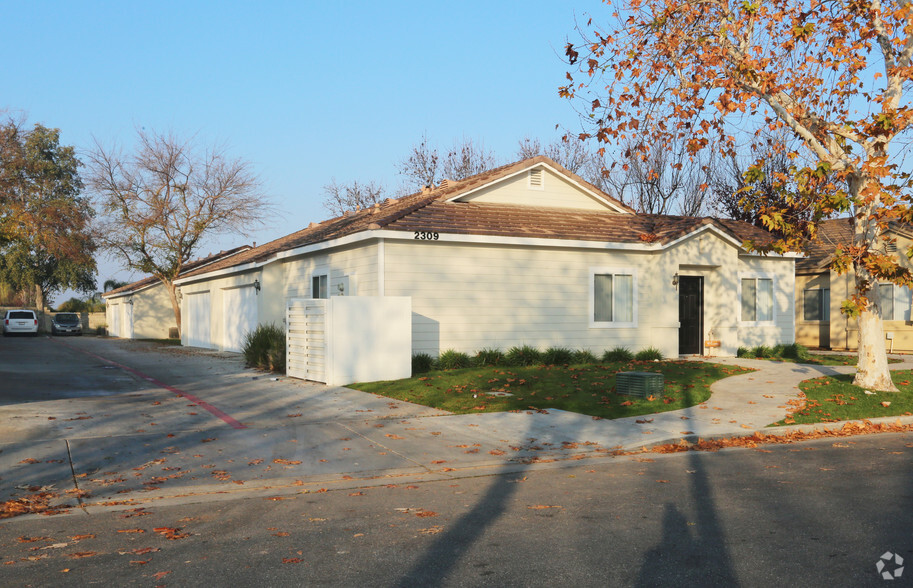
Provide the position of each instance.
(453, 360)
(648, 354)
(557, 356)
(421, 363)
(489, 356)
(264, 348)
(744, 352)
(793, 351)
(584, 356)
(526, 355)
(617, 354)
(762, 351)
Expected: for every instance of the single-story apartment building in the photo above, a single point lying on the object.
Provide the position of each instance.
(142, 309)
(820, 292)
(528, 253)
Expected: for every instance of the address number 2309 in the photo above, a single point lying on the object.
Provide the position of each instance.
(425, 236)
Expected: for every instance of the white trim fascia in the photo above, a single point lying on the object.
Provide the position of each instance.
(132, 292)
(592, 194)
(387, 234)
(223, 272)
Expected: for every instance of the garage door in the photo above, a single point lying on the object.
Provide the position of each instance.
(239, 316)
(197, 321)
(114, 317)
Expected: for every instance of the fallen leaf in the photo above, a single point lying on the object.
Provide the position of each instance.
(541, 506)
(171, 533)
(81, 537)
(431, 530)
(160, 575)
(291, 560)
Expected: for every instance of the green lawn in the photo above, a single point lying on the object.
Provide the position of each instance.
(815, 359)
(585, 389)
(834, 398)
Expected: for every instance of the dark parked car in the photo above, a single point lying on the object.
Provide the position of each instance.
(20, 321)
(66, 323)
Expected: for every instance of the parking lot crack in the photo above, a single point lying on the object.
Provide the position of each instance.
(75, 481)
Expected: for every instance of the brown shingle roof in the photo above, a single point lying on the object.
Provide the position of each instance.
(831, 233)
(555, 223)
(189, 266)
(432, 211)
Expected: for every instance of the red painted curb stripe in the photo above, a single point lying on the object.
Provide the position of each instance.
(199, 402)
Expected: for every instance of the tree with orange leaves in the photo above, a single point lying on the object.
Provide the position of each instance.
(833, 74)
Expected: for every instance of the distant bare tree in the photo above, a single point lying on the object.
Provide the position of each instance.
(425, 166)
(420, 167)
(661, 180)
(160, 202)
(734, 196)
(467, 159)
(572, 153)
(343, 197)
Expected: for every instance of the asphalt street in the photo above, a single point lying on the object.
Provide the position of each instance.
(180, 467)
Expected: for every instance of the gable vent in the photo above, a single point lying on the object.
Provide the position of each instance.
(536, 179)
(890, 247)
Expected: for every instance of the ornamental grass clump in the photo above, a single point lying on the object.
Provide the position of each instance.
(584, 356)
(617, 354)
(557, 356)
(421, 363)
(453, 360)
(525, 355)
(489, 356)
(264, 348)
(649, 354)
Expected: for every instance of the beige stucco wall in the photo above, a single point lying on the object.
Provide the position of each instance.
(813, 333)
(841, 332)
(466, 296)
(556, 191)
(152, 314)
(353, 266)
(215, 288)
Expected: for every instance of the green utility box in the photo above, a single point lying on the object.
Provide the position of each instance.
(641, 384)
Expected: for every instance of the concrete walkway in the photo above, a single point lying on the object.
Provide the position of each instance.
(341, 438)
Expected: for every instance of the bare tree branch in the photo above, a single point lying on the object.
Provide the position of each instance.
(160, 202)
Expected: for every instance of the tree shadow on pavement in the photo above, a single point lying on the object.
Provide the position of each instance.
(451, 546)
(691, 553)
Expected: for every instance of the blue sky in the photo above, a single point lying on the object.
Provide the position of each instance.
(305, 91)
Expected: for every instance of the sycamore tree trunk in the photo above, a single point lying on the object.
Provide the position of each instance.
(175, 303)
(872, 370)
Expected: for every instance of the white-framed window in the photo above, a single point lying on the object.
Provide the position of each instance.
(816, 304)
(613, 297)
(894, 301)
(756, 293)
(319, 284)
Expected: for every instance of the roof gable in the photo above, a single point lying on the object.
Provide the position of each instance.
(540, 184)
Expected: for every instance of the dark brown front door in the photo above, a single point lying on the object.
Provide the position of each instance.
(690, 314)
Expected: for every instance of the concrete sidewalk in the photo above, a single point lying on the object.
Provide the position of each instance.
(341, 438)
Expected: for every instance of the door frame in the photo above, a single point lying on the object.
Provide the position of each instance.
(700, 321)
